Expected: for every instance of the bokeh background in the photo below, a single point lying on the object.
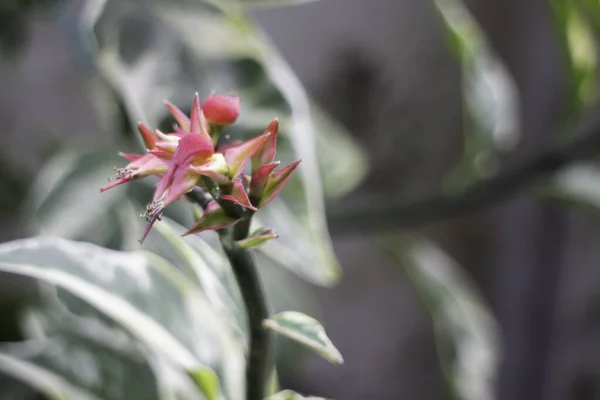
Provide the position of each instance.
(518, 271)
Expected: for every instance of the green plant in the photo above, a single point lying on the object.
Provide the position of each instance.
(184, 317)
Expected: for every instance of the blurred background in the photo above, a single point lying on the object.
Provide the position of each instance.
(467, 232)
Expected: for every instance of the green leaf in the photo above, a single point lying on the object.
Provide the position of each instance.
(15, 389)
(294, 248)
(205, 266)
(64, 199)
(305, 330)
(146, 296)
(467, 336)
(291, 395)
(115, 223)
(578, 30)
(119, 225)
(257, 238)
(172, 49)
(95, 356)
(52, 386)
(72, 340)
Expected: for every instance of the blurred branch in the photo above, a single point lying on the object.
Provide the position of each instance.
(584, 143)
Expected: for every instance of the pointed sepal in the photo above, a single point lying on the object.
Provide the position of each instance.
(266, 153)
(276, 182)
(259, 180)
(147, 136)
(238, 156)
(257, 238)
(181, 177)
(165, 147)
(238, 195)
(198, 124)
(193, 149)
(169, 138)
(131, 157)
(162, 154)
(182, 120)
(214, 217)
(139, 167)
(215, 168)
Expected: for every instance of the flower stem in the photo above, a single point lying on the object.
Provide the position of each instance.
(259, 362)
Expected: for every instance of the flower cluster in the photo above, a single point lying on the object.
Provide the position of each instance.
(189, 157)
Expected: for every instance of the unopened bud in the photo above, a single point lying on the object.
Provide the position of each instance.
(221, 110)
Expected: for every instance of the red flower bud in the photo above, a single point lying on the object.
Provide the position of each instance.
(221, 110)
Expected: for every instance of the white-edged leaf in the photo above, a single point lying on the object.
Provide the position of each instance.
(490, 94)
(305, 330)
(44, 381)
(291, 395)
(467, 336)
(578, 184)
(145, 295)
(294, 248)
(64, 200)
(207, 267)
(92, 353)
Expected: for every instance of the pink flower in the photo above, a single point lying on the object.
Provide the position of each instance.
(266, 183)
(194, 151)
(139, 167)
(183, 157)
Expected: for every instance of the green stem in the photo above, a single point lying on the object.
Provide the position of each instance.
(241, 230)
(259, 363)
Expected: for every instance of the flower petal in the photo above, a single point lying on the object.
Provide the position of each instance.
(181, 177)
(239, 196)
(184, 181)
(182, 120)
(266, 153)
(216, 168)
(198, 123)
(165, 155)
(147, 136)
(228, 145)
(139, 167)
(238, 156)
(130, 156)
(151, 220)
(214, 217)
(193, 149)
(172, 138)
(259, 180)
(168, 147)
(276, 182)
(116, 182)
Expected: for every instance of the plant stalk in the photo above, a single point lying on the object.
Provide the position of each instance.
(259, 362)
